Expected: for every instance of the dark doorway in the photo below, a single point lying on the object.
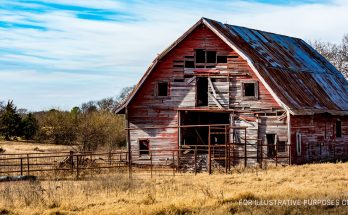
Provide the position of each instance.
(202, 91)
(199, 135)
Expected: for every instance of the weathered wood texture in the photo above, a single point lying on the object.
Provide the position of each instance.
(318, 138)
(148, 110)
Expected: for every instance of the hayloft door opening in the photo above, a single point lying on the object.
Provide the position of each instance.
(202, 91)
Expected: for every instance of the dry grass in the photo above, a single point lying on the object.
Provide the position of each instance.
(183, 194)
(18, 147)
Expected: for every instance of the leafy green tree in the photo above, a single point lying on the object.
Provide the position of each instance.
(29, 127)
(10, 121)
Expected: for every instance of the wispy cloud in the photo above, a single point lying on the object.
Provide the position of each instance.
(80, 50)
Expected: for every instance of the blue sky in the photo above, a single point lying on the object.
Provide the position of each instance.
(64, 52)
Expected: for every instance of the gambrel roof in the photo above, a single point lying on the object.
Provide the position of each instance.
(298, 77)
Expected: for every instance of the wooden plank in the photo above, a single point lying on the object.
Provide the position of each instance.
(214, 99)
(212, 87)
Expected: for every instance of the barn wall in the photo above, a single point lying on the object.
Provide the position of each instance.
(148, 110)
(318, 138)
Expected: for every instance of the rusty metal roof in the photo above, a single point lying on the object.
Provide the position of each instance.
(297, 76)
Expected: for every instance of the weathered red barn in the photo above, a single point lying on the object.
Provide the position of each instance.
(260, 96)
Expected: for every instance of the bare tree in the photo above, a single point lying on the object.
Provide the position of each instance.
(337, 54)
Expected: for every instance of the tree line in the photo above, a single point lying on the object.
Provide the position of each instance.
(337, 54)
(87, 127)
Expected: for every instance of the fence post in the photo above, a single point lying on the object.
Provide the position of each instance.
(28, 165)
(77, 166)
(129, 165)
(151, 165)
(261, 143)
(195, 159)
(174, 163)
(21, 166)
(72, 161)
(245, 148)
(226, 153)
(209, 152)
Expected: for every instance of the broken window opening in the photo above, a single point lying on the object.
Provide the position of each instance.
(250, 90)
(211, 56)
(162, 89)
(200, 56)
(189, 64)
(338, 128)
(144, 147)
(202, 91)
(221, 59)
(271, 145)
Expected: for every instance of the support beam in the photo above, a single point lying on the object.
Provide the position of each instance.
(215, 100)
(212, 87)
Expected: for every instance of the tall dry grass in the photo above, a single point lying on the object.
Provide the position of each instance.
(182, 194)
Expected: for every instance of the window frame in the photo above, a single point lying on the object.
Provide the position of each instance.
(256, 90)
(272, 147)
(298, 143)
(156, 93)
(205, 64)
(142, 154)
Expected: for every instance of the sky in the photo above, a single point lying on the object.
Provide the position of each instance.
(61, 53)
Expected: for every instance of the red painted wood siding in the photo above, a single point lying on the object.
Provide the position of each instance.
(146, 110)
(313, 129)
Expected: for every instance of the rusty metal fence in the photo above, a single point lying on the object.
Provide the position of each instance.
(61, 164)
(189, 158)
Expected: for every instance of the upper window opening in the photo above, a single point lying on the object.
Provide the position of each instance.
(250, 90)
(200, 56)
(189, 64)
(221, 59)
(338, 128)
(211, 56)
(162, 89)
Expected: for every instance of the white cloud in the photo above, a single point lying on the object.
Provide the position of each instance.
(87, 51)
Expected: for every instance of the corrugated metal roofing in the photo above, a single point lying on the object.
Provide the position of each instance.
(300, 77)
(303, 80)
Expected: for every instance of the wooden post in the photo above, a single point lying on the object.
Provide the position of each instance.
(245, 148)
(178, 163)
(226, 154)
(28, 165)
(209, 152)
(151, 165)
(195, 160)
(72, 162)
(229, 148)
(21, 166)
(174, 163)
(261, 163)
(129, 166)
(77, 166)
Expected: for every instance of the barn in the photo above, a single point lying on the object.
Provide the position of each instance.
(238, 95)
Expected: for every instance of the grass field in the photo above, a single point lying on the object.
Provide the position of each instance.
(186, 193)
(18, 147)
